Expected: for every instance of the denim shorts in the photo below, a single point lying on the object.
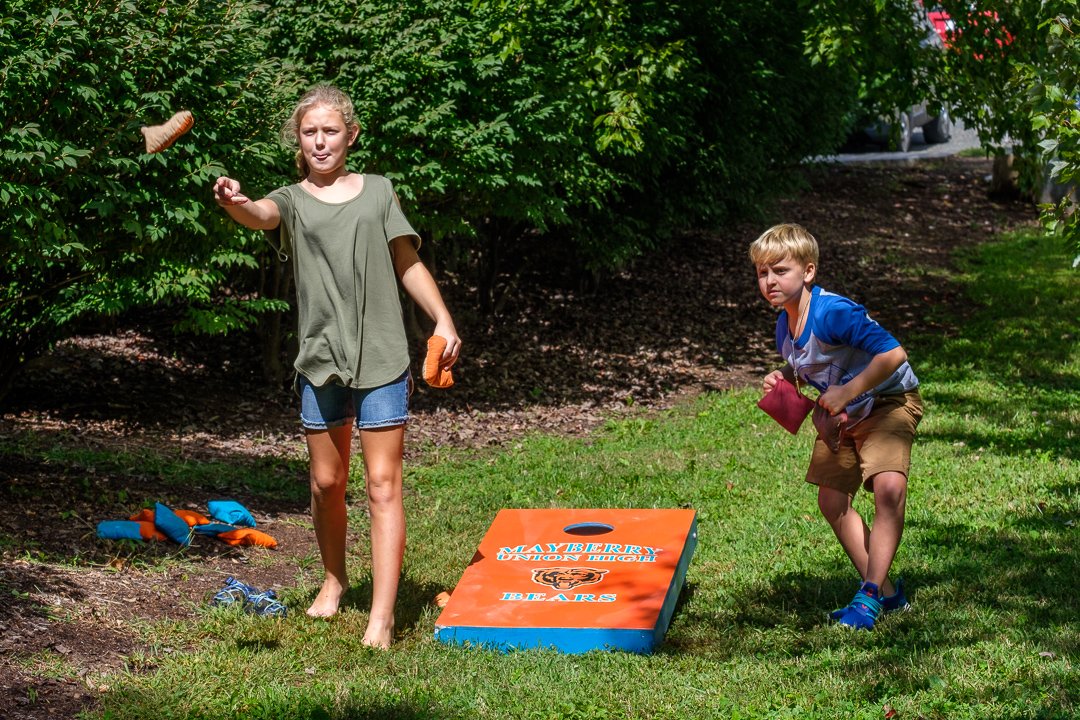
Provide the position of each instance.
(333, 405)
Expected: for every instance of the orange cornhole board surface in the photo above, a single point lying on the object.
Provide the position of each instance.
(574, 580)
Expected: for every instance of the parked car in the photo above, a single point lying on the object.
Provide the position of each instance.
(985, 22)
(937, 126)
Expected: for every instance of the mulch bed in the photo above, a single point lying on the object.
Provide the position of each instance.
(555, 360)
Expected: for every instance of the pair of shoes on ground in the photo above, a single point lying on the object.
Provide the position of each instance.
(867, 605)
(253, 600)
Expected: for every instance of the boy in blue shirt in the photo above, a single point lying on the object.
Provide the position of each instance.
(831, 343)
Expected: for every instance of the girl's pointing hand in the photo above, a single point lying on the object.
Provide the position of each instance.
(227, 192)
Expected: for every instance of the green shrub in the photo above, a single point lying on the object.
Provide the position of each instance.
(582, 132)
(1054, 103)
(614, 122)
(1009, 72)
(725, 137)
(93, 225)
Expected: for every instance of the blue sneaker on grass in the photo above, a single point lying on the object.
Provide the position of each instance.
(863, 610)
(234, 592)
(250, 598)
(266, 603)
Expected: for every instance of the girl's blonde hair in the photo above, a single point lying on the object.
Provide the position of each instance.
(327, 95)
(780, 241)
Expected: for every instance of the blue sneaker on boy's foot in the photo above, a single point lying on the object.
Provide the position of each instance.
(897, 601)
(863, 610)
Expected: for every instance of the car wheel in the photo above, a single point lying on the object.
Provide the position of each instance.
(939, 129)
(904, 126)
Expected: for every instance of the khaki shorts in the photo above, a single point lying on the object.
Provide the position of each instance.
(880, 443)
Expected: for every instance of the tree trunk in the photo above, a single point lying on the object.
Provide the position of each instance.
(275, 282)
(10, 366)
(1003, 180)
(488, 267)
(1051, 192)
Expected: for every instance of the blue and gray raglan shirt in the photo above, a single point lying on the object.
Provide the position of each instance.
(839, 341)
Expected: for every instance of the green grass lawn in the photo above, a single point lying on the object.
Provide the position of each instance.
(989, 557)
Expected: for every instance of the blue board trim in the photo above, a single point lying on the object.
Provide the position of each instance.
(566, 640)
(677, 580)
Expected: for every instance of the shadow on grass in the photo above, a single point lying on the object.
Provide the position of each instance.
(54, 492)
(17, 587)
(413, 599)
(289, 706)
(384, 711)
(966, 585)
(1021, 419)
(257, 645)
(1017, 357)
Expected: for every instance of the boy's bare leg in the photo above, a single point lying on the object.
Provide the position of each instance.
(329, 451)
(852, 532)
(890, 500)
(382, 449)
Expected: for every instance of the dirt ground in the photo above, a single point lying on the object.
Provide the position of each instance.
(555, 360)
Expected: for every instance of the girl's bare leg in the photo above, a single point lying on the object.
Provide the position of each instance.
(330, 450)
(383, 449)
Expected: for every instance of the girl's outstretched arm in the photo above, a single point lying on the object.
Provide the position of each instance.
(421, 287)
(257, 215)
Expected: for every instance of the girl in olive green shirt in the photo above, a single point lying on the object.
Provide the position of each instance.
(351, 246)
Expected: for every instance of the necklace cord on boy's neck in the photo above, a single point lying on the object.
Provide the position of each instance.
(800, 325)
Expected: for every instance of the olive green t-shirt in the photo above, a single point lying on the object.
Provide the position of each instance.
(351, 329)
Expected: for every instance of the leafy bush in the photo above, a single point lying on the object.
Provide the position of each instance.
(582, 132)
(93, 225)
(879, 47)
(1009, 72)
(725, 137)
(614, 121)
(1054, 101)
(1013, 76)
(482, 113)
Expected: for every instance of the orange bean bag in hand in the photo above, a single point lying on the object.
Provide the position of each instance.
(434, 374)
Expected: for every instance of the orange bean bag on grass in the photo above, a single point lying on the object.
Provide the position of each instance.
(247, 536)
(191, 517)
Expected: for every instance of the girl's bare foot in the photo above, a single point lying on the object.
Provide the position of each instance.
(379, 634)
(328, 600)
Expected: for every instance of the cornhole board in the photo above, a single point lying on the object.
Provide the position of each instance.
(572, 579)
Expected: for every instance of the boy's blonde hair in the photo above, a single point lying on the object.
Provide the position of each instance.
(327, 95)
(783, 240)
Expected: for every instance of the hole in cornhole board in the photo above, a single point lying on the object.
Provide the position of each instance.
(588, 528)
